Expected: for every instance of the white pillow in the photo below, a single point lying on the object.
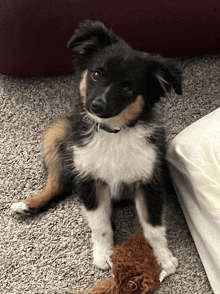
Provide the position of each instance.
(194, 162)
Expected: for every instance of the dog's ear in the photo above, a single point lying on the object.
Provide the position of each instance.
(91, 35)
(168, 74)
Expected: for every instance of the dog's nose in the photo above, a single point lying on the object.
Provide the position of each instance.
(98, 106)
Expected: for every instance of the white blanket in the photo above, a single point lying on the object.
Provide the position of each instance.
(194, 162)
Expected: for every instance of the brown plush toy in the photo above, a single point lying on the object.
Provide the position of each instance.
(135, 270)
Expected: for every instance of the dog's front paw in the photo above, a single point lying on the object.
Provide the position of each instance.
(168, 262)
(102, 258)
(21, 208)
(170, 266)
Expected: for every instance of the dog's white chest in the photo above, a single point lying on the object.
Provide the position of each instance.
(125, 157)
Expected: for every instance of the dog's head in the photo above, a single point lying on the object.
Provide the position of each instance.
(118, 84)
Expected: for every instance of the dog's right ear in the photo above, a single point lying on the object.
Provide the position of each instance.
(90, 36)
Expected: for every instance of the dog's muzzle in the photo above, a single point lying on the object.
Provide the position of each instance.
(98, 107)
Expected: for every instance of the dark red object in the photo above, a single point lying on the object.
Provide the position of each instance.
(34, 33)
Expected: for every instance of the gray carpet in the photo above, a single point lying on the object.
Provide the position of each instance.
(51, 252)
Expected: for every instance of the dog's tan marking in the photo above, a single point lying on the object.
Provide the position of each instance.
(83, 83)
(100, 192)
(140, 201)
(129, 114)
(53, 137)
(41, 199)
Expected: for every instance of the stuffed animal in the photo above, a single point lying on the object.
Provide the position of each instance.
(135, 269)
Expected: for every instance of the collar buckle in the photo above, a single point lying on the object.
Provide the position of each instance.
(106, 128)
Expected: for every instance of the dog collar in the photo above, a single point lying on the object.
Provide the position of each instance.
(106, 128)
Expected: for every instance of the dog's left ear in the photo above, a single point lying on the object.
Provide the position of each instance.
(168, 74)
(90, 36)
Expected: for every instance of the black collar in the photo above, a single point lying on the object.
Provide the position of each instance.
(106, 128)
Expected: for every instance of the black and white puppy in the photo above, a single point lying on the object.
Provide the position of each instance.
(113, 145)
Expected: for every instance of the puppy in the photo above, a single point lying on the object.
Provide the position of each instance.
(113, 145)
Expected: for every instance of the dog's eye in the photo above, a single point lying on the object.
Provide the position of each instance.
(127, 89)
(96, 75)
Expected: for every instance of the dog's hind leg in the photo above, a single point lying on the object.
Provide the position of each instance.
(56, 161)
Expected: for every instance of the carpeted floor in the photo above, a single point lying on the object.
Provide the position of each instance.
(51, 252)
